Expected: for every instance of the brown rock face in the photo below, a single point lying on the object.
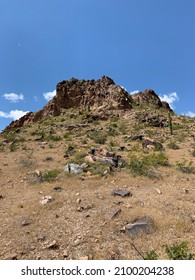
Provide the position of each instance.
(100, 96)
(149, 97)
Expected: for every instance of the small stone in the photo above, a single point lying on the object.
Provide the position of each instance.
(158, 191)
(77, 194)
(192, 218)
(141, 225)
(41, 238)
(1, 196)
(127, 205)
(85, 258)
(37, 172)
(122, 193)
(46, 199)
(57, 188)
(185, 190)
(78, 201)
(25, 223)
(65, 254)
(114, 213)
(53, 245)
(12, 257)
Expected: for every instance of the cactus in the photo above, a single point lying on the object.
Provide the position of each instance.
(170, 123)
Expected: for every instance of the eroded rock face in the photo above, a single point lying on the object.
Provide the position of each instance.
(149, 97)
(99, 96)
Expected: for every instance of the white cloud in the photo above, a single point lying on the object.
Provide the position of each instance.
(13, 114)
(133, 92)
(189, 114)
(49, 95)
(170, 98)
(13, 97)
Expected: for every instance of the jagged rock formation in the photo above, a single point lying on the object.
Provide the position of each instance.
(102, 97)
(149, 97)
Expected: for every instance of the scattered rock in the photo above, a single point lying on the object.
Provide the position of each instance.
(157, 145)
(1, 196)
(122, 193)
(25, 223)
(78, 201)
(53, 245)
(46, 199)
(185, 190)
(85, 258)
(192, 218)
(13, 256)
(65, 253)
(83, 208)
(135, 137)
(113, 213)
(41, 237)
(139, 226)
(158, 191)
(58, 188)
(73, 168)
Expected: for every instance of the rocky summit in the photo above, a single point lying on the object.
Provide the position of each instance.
(102, 96)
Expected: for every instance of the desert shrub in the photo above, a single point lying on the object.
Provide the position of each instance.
(143, 165)
(172, 145)
(52, 137)
(185, 167)
(98, 168)
(13, 147)
(123, 128)
(50, 175)
(99, 137)
(38, 133)
(67, 135)
(151, 255)
(179, 251)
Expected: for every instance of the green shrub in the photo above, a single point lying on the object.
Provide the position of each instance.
(179, 251)
(151, 255)
(173, 145)
(52, 137)
(99, 137)
(13, 147)
(143, 165)
(185, 167)
(50, 175)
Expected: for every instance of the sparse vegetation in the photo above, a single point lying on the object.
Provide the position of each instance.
(186, 167)
(99, 137)
(49, 175)
(143, 165)
(177, 251)
(173, 145)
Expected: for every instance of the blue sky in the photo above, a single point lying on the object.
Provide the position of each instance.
(138, 43)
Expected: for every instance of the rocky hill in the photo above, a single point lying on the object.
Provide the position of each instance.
(98, 174)
(102, 96)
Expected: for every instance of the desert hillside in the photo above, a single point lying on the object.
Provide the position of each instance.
(97, 174)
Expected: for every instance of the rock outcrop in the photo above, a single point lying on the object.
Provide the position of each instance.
(102, 97)
(149, 97)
